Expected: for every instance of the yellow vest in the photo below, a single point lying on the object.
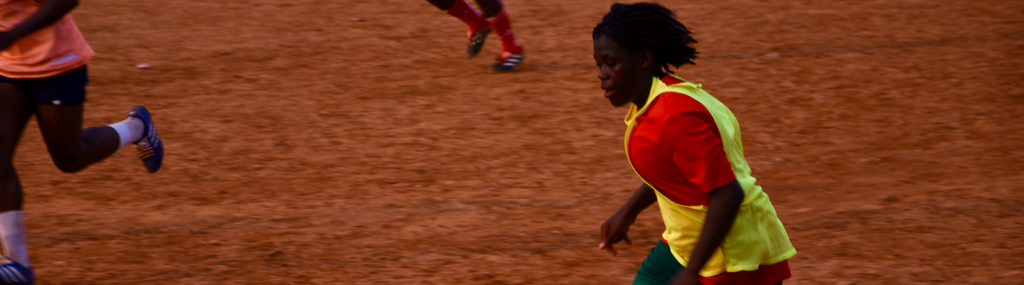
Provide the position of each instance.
(757, 236)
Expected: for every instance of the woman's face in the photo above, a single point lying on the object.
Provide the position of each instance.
(625, 75)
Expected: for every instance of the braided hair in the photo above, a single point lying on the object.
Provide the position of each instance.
(649, 26)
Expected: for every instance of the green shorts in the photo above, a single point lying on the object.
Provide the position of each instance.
(659, 267)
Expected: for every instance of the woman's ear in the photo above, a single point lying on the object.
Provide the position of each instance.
(646, 58)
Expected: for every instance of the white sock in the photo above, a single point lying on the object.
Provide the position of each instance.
(12, 232)
(130, 130)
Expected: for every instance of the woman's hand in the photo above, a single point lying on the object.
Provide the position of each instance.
(616, 229)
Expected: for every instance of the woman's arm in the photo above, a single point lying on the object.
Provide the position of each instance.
(49, 13)
(725, 203)
(617, 227)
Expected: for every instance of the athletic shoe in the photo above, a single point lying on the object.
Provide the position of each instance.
(476, 41)
(507, 62)
(13, 273)
(149, 148)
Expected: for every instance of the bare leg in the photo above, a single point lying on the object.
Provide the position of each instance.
(71, 148)
(15, 111)
(489, 7)
(442, 4)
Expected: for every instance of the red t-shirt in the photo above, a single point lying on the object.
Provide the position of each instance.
(675, 146)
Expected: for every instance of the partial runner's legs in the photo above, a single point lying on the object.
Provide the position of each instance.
(478, 27)
(15, 110)
(511, 52)
(62, 130)
(493, 18)
(71, 148)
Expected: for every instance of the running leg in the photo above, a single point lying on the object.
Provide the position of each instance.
(511, 52)
(478, 26)
(15, 110)
(72, 148)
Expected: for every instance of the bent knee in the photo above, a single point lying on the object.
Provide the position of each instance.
(69, 166)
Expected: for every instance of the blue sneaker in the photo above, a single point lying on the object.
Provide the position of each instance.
(13, 273)
(149, 148)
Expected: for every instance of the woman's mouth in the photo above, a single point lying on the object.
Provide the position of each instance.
(608, 93)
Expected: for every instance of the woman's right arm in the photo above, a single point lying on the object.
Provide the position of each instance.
(50, 12)
(617, 227)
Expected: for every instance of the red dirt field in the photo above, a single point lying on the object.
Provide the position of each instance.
(888, 134)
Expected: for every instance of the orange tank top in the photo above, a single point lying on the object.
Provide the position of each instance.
(46, 52)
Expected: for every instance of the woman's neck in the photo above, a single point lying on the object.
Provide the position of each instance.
(641, 100)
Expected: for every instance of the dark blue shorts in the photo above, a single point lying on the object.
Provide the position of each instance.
(62, 89)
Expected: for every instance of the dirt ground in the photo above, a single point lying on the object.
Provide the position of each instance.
(888, 134)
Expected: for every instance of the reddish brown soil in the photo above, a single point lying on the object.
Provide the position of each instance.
(888, 134)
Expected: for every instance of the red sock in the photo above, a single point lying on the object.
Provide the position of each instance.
(467, 14)
(503, 28)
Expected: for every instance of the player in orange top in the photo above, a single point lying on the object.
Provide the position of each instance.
(685, 145)
(495, 17)
(43, 71)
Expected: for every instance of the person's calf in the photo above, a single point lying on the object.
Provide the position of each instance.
(97, 143)
(69, 166)
(11, 195)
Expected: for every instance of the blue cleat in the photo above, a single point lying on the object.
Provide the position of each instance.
(13, 273)
(149, 148)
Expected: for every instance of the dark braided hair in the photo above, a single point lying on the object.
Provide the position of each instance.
(649, 26)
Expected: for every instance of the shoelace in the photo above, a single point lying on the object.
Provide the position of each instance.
(144, 150)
